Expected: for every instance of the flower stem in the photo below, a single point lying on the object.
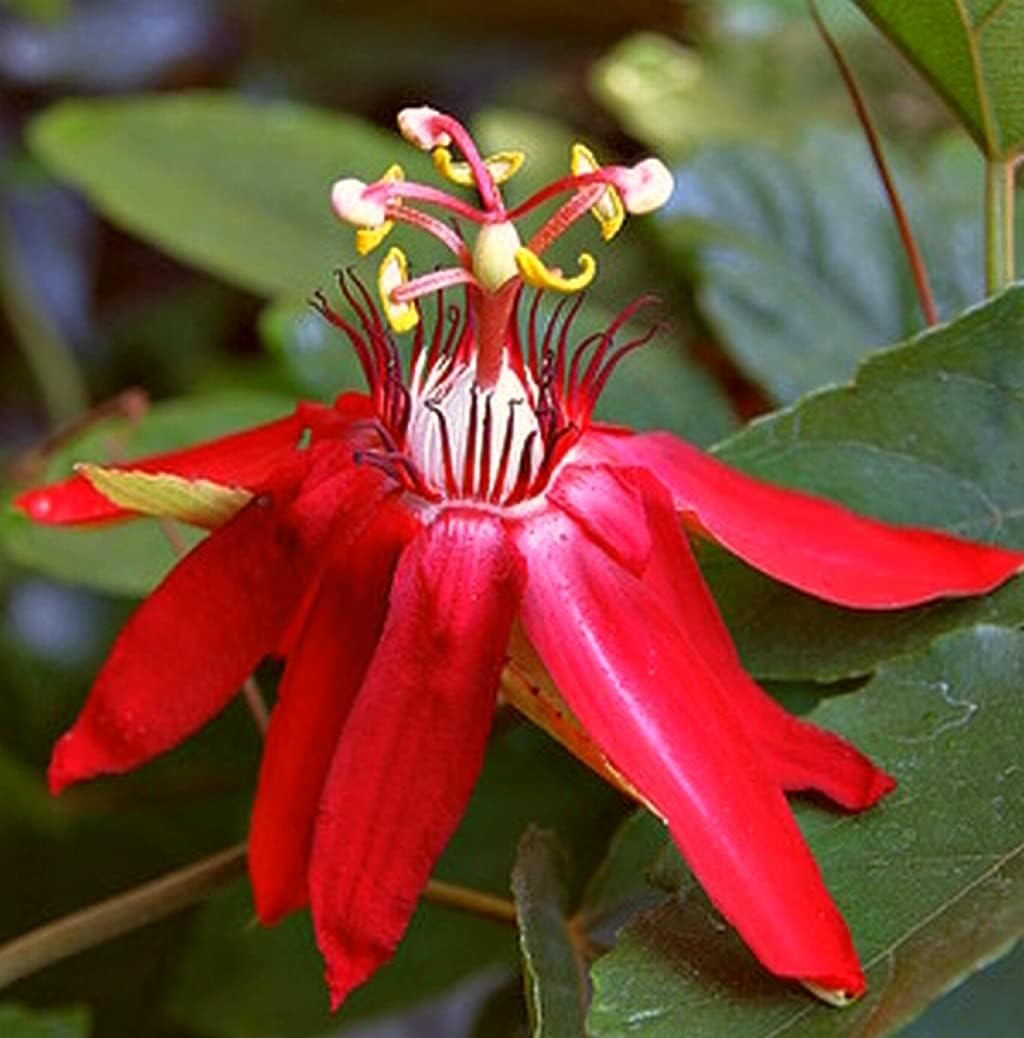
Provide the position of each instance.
(466, 899)
(153, 901)
(47, 355)
(999, 223)
(925, 296)
(119, 915)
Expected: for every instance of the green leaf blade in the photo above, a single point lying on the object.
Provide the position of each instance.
(556, 983)
(970, 51)
(238, 188)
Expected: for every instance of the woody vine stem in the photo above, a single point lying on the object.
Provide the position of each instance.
(171, 893)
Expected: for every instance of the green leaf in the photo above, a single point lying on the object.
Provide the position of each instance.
(236, 187)
(553, 968)
(622, 882)
(971, 51)
(16, 1022)
(796, 259)
(931, 881)
(129, 558)
(930, 433)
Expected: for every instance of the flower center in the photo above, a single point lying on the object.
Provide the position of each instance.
(469, 442)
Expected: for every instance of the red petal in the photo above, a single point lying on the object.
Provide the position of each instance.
(813, 544)
(799, 755)
(319, 686)
(413, 743)
(244, 459)
(190, 645)
(660, 713)
(608, 507)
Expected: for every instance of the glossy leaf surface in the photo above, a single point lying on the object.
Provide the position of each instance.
(556, 983)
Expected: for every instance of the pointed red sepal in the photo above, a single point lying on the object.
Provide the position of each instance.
(645, 693)
(190, 645)
(413, 744)
(808, 542)
(320, 683)
(799, 755)
(244, 459)
(187, 648)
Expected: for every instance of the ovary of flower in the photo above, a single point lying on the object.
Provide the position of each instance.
(494, 252)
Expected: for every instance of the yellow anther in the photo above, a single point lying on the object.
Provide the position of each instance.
(350, 206)
(608, 210)
(533, 271)
(501, 165)
(392, 274)
(368, 238)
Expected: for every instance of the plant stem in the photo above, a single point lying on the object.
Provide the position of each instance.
(119, 915)
(153, 901)
(999, 223)
(46, 353)
(922, 284)
(466, 899)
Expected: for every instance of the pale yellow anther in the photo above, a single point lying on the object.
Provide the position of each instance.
(608, 210)
(533, 271)
(392, 274)
(368, 238)
(501, 165)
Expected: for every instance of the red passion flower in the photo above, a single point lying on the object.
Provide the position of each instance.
(464, 519)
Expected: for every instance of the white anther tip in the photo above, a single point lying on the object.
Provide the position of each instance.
(419, 126)
(645, 186)
(350, 204)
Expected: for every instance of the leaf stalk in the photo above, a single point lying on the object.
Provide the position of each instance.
(999, 223)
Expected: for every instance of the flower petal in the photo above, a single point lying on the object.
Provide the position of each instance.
(658, 710)
(243, 459)
(414, 741)
(798, 755)
(810, 543)
(609, 507)
(187, 648)
(190, 645)
(319, 686)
